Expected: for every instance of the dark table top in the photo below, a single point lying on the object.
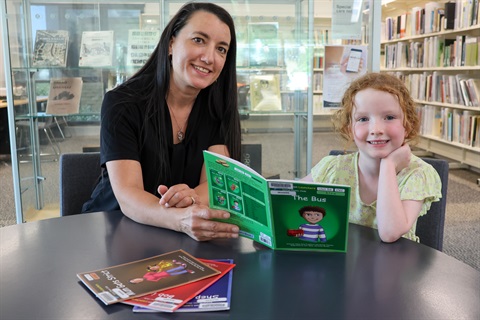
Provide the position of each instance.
(373, 280)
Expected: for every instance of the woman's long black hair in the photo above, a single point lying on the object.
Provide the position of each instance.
(220, 97)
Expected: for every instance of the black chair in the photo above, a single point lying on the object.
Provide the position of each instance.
(430, 227)
(78, 175)
(45, 124)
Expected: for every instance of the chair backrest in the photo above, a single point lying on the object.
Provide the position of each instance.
(430, 226)
(78, 175)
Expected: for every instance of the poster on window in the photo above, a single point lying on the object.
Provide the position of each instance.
(347, 19)
(343, 64)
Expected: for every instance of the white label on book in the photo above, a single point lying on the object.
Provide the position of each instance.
(212, 299)
(107, 297)
(265, 239)
(281, 185)
(212, 305)
(163, 306)
(120, 293)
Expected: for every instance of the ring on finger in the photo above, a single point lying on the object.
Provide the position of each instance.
(193, 200)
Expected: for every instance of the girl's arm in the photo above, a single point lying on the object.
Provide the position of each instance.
(394, 216)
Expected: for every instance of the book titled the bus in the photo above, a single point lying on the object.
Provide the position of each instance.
(280, 214)
(138, 278)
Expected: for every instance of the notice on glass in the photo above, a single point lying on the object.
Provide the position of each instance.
(343, 64)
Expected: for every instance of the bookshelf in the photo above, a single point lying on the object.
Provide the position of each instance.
(438, 59)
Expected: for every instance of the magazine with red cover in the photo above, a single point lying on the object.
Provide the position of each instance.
(172, 299)
(138, 278)
(214, 298)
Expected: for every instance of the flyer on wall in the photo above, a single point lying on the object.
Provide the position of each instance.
(343, 64)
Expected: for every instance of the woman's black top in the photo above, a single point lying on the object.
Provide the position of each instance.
(124, 136)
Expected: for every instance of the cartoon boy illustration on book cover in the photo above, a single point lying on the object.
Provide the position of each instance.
(310, 231)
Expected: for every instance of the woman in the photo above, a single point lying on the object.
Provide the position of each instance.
(156, 125)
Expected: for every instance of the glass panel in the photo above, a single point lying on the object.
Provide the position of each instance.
(41, 137)
(273, 62)
(324, 139)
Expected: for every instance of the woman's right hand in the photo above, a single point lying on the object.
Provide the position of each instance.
(196, 222)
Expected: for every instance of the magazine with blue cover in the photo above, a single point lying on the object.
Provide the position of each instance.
(215, 298)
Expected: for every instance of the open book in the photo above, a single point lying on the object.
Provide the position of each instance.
(280, 214)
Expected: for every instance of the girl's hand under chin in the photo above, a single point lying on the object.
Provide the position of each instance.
(400, 157)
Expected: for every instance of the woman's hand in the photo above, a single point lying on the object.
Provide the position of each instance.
(196, 221)
(179, 195)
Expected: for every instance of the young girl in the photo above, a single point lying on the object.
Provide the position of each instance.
(390, 187)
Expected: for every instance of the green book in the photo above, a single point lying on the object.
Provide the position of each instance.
(280, 214)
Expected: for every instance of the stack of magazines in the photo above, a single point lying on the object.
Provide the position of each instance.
(172, 282)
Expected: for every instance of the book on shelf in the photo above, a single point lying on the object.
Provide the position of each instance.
(471, 50)
(280, 214)
(214, 297)
(431, 9)
(449, 15)
(465, 126)
(404, 24)
(456, 125)
(476, 12)
(431, 121)
(415, 18)
(64, 96)
(50, 48)
(130, 280)
(473, 87)
(475, 132)
(463, 90)
(96, 49)
(141, 44)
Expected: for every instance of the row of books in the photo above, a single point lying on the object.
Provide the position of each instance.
(318, 62)
(436, 51)
(433, 17)
(459, 89)
(454, 125)
(171, 282)
(96, 48)
(317, 81)
(321, 36)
